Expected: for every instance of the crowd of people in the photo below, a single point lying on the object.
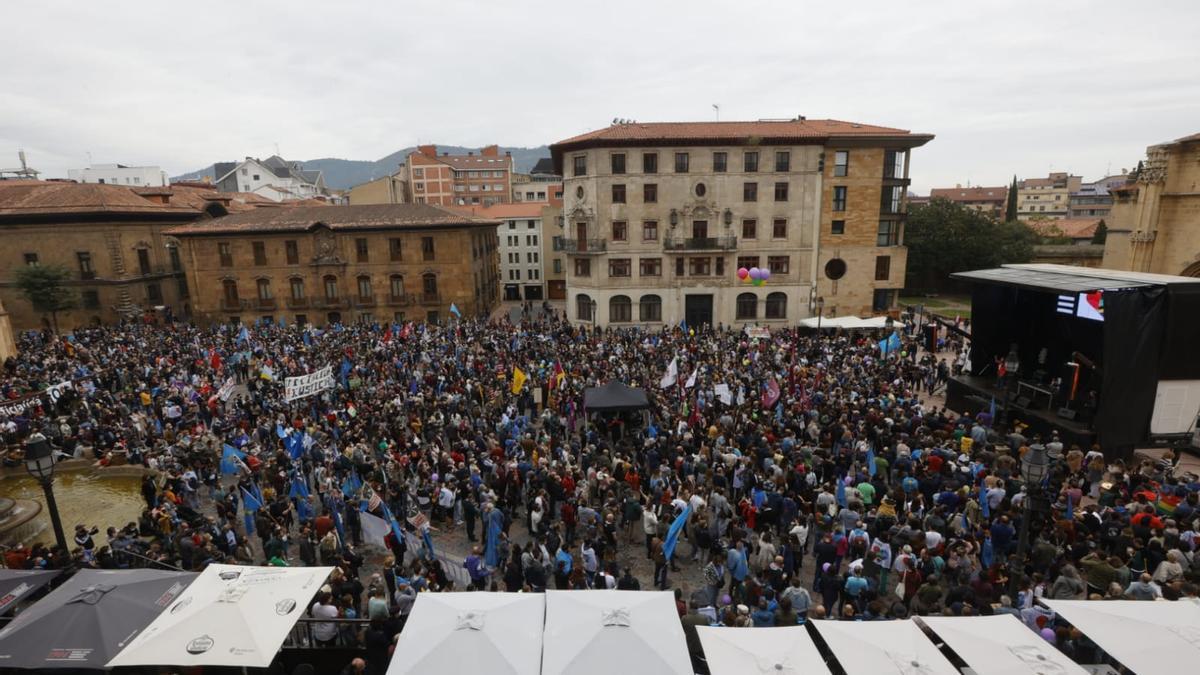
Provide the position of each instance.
(772, 481)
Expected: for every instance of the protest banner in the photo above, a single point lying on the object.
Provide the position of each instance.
(303, 386)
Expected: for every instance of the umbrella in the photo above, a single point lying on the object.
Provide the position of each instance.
(1000, 645)
(1146, 637)
(607, 632)
(89, 618)
(495, 633)
(15, 585)
(883, 648)
(230, 616)
(787, 650)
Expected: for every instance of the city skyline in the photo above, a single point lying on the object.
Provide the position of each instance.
(1024, 97)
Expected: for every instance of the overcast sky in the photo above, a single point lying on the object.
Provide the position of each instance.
(1007, 88)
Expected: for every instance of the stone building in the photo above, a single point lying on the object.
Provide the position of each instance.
(8, 344)
(110, 237)
(394, 262)
(989, 200)
(1154, 224)
(658, 218)
(1046, 198)
(519, 238)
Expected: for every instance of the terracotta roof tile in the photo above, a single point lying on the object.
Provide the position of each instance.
(1072, 228)
(969, 194)
(502, 211)
(49, 197)
(301, 218)
(710, 131)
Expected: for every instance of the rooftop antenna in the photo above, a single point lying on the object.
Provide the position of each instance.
(717, 109)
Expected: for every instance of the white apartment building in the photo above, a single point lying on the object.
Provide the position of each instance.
(275, 178)
(522, 261)
(119, 174)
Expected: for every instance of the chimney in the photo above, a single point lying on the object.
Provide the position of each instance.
(958, 185)
(490, 151)
(428, 150)
(508, 153)
(470, 153)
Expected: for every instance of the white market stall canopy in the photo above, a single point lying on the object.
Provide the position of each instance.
(883, 648)
(787, 650)
(1146, 637)
(850, 322)
(1000, 645)
(613, 633)
(231, 615)
(498, 633)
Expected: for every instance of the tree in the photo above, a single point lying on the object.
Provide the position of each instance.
(44, 286)
(944, 237)
(1101, 233)
(1010, 207)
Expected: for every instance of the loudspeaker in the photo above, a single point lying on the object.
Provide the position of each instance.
(1067, 413)
(1022, 402)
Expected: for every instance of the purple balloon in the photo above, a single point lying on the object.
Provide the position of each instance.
(755, 273)
(1048, 635)
(765, 274)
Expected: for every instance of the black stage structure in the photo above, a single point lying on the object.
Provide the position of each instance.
(1104, 355)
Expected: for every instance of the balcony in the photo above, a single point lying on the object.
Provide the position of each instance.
(401, 300)
(364, 301)
(330, 303)
(232, 304)
(431, 298)
(582, 246)
(265, 303)
(297, 303)
(700, 244)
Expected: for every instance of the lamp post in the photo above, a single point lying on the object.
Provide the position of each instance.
(820, 312)
(39, 462)
(1012, 365)
(1034, 468)
(594, 304)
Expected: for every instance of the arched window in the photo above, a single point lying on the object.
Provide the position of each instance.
(583, 307)
(331, 287)
(297, 286)
(230, 290)
(364, 287)
(264, 289)
(650, 308)
(620, 309)
(429, 286)
(396, 286)
(777, 305)
(747, 306)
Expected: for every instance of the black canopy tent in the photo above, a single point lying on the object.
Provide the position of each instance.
(16, 585)
(614, 397)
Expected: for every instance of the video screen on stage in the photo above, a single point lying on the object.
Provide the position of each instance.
(1087, 305)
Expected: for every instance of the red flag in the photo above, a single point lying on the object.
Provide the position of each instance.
(214, 359)
(556, 380)
(770, 395)
(387, 334)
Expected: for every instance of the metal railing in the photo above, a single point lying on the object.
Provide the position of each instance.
(584, 245)
(700, 243)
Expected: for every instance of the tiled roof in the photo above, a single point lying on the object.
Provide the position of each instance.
(502, 211)
(475, 161)
(1072, 228)
(50, 197)
(782, 130)
(969, 194)
(299, 219)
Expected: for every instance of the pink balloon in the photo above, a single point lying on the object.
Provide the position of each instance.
(743, 273)
(766, 273)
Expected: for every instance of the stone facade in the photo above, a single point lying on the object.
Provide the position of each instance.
(8, 345)
(659, 217)
(342, 264)
(1046, 198)
(1154, 224)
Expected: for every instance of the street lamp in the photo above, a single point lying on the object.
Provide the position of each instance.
(594, 304)
(820, 311)
(39, 462)
(1012, 365)
(1034, 468)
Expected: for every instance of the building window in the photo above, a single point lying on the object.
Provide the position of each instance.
(747, 261)
(883, 267)
(619, 230)
(779, 228)
(86, 271)
(749, 228)
(331, 288)
(297, 288)
(579, 165)
(418, 173)
(173, 255)
(650, 230)
(720, 265)
(699, 267)
(749, 192)
(699, 229)
(229, 290)
(838, 227)
(558, 266)
(182, 287)
(893, 163)
(890, 198)
(618, 267)
(839, 198)
(620, 309)
(260, 252)
(649, 162)
(835, 269)
(361, 252)
(783, 160)
(747, 306)
(679, 263)
(245, 172)
(583, 267)
(650, 308)
(650, 193)
(264, 289)
(292, 250)
(31, 259)
(618, 193)
(429, 286)
(583, 307)
(882, 299)
(781, 192)
(776, 305)
(720, 162)
(681, 162)
(841, 163)
(427, 248)
(395, 249)
(364, 287)
(889, 233)
(223, 251)
(650, 267)
(143, 256)
(91, 299)
(750, 162)
(618, 165)
(779, 264)
(154, 294)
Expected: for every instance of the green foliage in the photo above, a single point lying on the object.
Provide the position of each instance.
(944, 237)
(1101, 233)
(1010, 207)
(45, 287)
